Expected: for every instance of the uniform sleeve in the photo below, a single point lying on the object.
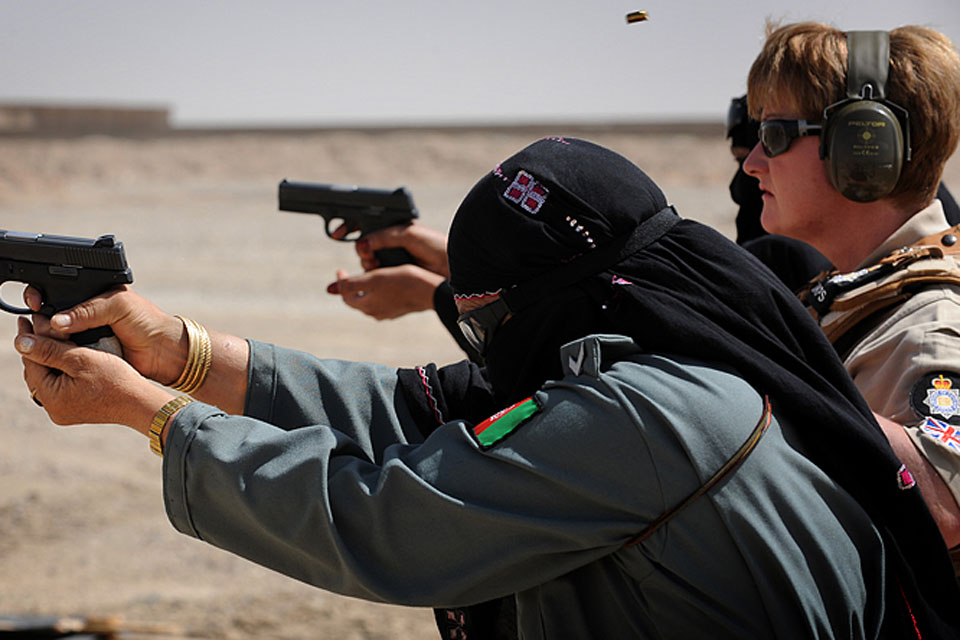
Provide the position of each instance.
(352, 506)
(290, 389)
(908, 370)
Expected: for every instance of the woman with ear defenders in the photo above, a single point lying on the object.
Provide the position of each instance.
(855, 131)
(793, 261)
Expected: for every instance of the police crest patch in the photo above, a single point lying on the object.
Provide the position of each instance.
(936, 395)
(504, 422)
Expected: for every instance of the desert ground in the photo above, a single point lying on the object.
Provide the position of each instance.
(82, 525)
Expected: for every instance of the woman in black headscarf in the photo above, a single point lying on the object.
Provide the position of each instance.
(675, 450)
(687, 293)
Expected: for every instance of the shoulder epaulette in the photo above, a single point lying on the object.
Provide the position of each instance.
(840, 301)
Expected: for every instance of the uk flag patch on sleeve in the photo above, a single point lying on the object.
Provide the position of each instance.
(504, 422)
(944, 433)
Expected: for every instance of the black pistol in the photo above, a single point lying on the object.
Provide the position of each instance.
(65, 270)
(360, 209)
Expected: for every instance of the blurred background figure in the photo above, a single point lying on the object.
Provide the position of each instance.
(744, 134)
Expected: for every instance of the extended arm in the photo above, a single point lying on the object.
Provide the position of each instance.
(367, 510)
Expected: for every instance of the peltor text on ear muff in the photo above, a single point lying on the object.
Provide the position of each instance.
(865, 138)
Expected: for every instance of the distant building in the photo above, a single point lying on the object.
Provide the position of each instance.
(39, 119)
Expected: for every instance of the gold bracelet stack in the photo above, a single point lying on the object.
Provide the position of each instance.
(160, 421)
(199, 358)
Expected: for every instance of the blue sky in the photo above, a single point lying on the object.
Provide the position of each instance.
(296, 62)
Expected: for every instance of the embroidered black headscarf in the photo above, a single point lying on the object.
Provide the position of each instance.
(578, 240)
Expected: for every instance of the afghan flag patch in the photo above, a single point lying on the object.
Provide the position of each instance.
(503, 423)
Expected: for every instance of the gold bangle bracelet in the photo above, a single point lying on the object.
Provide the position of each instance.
(199, 357)
(160, 421)
(189, 326)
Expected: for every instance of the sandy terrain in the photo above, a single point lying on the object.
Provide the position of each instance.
(82, 528)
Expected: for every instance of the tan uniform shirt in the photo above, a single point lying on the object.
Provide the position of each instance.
(908, 366)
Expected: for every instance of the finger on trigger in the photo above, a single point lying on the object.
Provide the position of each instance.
(32, 298)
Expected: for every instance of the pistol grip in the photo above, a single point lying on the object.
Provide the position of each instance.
(90, 336)
(393, 257)
(110, 344)
(101, 338)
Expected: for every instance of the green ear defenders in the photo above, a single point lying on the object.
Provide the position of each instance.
(865, 138)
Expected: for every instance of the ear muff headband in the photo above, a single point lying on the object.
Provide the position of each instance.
(868, 63)
(865, 138)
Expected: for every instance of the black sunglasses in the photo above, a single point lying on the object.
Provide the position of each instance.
(776, 136)
(479, 325)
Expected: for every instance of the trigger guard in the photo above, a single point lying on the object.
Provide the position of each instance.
(9, 308)
(22, 311)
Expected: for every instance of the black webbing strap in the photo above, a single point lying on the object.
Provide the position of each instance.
(728, 467)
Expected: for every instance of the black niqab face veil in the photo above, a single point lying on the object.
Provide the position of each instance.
(580, 241)
(531, 231)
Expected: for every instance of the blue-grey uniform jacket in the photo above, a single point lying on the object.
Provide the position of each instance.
(327, 480)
